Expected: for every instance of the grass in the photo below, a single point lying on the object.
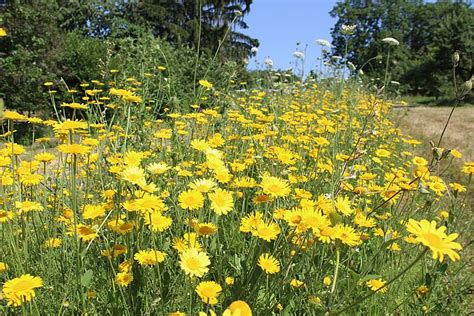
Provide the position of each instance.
(426, 101)
(426, 124)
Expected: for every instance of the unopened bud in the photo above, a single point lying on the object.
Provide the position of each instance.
(438, 153)
(335, 218)
(466, 87)
(455, 58)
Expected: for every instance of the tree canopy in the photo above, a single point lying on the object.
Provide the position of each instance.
(428, 33)
(69, 39)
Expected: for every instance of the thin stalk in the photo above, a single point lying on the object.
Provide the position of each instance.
(385, 285)
(386, 72)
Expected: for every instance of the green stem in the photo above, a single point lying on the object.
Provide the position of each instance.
(385, 285)
(386, 72)
(336, 272)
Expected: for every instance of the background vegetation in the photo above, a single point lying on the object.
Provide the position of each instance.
(428, 34)
(84, 39)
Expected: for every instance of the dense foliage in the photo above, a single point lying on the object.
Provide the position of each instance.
(83, 39)
(428, 34)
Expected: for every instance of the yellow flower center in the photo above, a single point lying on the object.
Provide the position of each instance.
(433, 240)
(193, 263)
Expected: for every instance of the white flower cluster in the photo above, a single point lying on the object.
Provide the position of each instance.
(391, 41)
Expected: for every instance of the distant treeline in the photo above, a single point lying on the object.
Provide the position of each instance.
(428, 33)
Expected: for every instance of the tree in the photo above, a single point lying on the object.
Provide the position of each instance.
(49, 40)
(202, 23)
(422, 62)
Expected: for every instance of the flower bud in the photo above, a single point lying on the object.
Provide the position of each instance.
(455, 58)
(466, 87)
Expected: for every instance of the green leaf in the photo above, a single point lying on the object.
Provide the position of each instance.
(86, 278)
(428, 279)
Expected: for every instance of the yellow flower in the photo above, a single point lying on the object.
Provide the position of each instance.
(52, 243)
(205, 228)
(206, 84)
(149, 257)
(422, 290)
(327, 281)
(275, 187)
(86, 233)
(435, 239)
(124, 278)
(3, 32)
(437, 186)
(456, 153)
(376, 284)
(267, 232)
(93, 211)
(125, 266)
(203, 185)
(69, 125)
(5, 216)
(134, 175)
(44, 157)
(343, 205)
(222, 201)
(28, 206)
(382, 153)
(191, 200)
(157, 168)
(194, 262)
(347, 235)
(229, 280)
(238, 308)
(189, 240)
(13, 116)
(209, 291)
(114, 251)
(20, 290)
(74, 149)
(468, 168)
(3, 266)
(419, 161)
(156, 221)
(75, 105)
(268, 263)
(296, 283)
(457, 187)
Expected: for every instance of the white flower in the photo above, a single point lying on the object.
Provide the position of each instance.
(323, 43)
(391, 41)
(268, 62)
(299, 55)
(395, 82)
(254, 50)
(348, 29)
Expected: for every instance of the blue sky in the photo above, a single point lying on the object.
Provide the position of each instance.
(305, 21)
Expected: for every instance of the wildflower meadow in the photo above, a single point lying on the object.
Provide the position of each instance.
(300, 196)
